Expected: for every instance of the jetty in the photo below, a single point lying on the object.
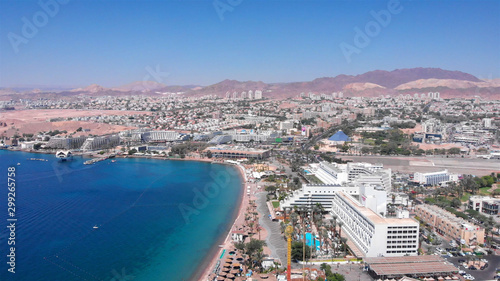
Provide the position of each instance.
(95, 160)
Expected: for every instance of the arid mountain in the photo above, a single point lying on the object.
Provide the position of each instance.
(361, 86)
(449, 83)
(374, 83)
(368, 84)
(94, 88)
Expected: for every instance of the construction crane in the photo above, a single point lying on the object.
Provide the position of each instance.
(288, 233)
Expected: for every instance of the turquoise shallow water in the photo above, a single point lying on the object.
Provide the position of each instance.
(157, 220)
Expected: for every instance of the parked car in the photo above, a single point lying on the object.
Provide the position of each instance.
(469, 277)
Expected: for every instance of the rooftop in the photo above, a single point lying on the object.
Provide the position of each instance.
(392, 266)
(374, 217)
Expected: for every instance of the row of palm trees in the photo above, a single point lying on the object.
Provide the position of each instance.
(328, 232)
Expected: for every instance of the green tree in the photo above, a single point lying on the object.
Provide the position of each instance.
(297, 251)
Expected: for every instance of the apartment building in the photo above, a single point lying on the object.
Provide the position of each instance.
(449, 225)
(484, 204)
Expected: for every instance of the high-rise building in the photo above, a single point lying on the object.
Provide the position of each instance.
(258, 95)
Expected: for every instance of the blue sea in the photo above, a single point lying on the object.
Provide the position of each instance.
(154, 219)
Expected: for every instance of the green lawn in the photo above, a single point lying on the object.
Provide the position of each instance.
(276, 204)
(465, 197)
(484, 191)
(313, 179)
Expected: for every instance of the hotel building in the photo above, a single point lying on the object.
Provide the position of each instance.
(434, 178)
(371, 233)
(361, 173)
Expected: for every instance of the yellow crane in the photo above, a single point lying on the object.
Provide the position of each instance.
(288, 233)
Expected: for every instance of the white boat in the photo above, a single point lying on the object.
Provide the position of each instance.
(64, 155)
(95, 227)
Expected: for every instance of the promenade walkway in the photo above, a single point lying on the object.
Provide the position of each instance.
(274, 239)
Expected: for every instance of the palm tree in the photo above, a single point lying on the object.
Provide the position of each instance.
(344, 245)
(340, 228)
(294, 218)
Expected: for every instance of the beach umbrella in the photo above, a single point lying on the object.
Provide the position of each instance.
(235, 271)
(226, 269)
(231, 276)
(223, 274)
(227, 264)
(220, 278)
(236, 265)
(229, 258)
(447, 278)
(239, 258)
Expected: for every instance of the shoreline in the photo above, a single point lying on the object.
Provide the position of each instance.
(209, 262)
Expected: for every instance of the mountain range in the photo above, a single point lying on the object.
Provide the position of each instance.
(451, 84)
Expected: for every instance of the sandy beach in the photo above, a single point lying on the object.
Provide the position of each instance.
(211, 260)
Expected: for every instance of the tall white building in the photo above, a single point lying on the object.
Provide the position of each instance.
(372, 234)
(258, 95)
(358, 173)
(159, 136)
(487, 122)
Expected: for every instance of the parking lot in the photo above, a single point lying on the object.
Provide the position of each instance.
(486, 274)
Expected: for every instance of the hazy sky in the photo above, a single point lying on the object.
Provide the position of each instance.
(117, 42)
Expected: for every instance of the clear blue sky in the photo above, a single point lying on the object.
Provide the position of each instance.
(112, 43)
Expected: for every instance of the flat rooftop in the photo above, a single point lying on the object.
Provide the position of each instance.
(393, 266)
(374, 217)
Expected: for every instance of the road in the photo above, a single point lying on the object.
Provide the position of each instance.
(274, 239)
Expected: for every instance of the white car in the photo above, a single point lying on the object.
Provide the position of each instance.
(469, 277)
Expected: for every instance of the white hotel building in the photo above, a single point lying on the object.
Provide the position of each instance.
(372, 234)
(360, 173)
(364, 221)
(434, 178)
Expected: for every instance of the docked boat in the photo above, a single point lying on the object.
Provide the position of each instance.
(64, 155)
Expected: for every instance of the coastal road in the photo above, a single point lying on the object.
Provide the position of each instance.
(274, 239)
